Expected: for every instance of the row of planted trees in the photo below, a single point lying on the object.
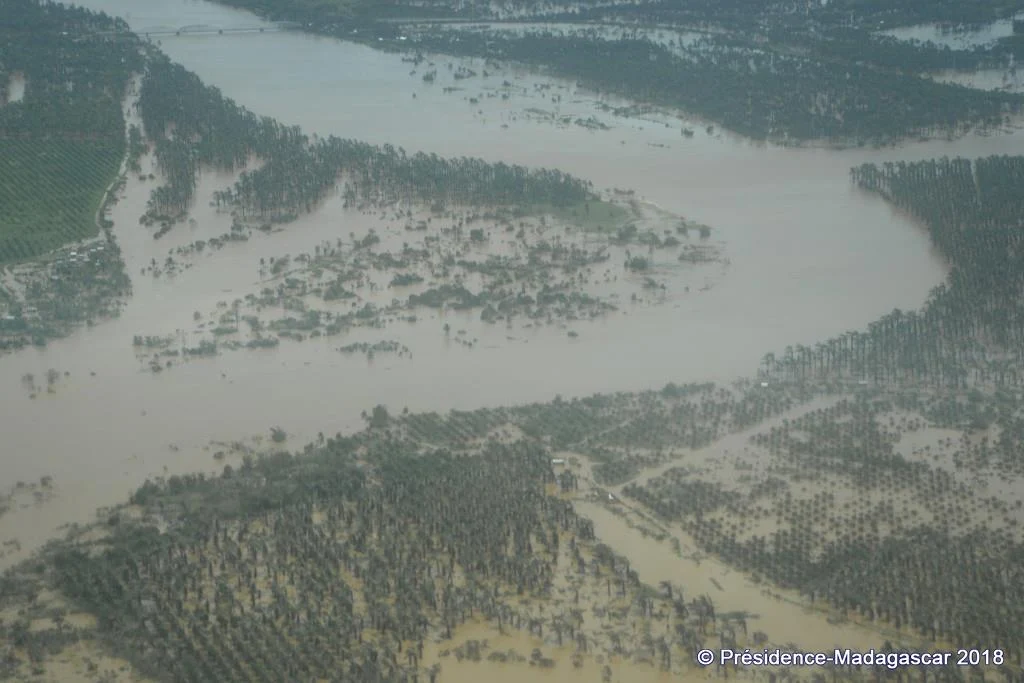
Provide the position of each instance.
(321, 574)
(888, 535)
(620, 433)
(315, 567)
(971, 329)
(345, 562)
(352, 556)
(62, 142)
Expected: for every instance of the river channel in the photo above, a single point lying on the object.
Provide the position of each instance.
(809, 257)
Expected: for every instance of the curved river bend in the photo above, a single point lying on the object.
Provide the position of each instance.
(811, 257)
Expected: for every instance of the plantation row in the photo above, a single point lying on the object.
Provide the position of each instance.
(864, 528)
(61, 144)
(287, 570)
(317, 567)
(621, 433)
(50, 190)
(971, 329)
(348, 558)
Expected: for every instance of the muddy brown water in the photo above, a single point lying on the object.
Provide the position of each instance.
(810, 257)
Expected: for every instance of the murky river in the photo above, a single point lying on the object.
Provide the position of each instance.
(810, 257)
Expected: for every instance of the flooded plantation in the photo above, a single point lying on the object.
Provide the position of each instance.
(388, 365)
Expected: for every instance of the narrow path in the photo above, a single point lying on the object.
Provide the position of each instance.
(128, 104)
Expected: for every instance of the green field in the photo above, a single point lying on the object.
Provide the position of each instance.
(50, 190)
(61, 144)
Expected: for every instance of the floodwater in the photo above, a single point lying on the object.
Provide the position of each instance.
(467, 671)
(670, 38)
(15, 87)
(810, 256)
(784, 615)
(956, 37)
(1006, 80)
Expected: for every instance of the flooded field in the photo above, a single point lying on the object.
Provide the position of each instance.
(809, 257)
(956, 37)
(790, 253)
(630, 590)
(1006, 80)
(666, 37)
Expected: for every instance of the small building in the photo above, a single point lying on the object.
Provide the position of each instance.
(558, 461)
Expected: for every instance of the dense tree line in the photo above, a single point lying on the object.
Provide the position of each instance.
(195, 126)
(849, 82)
(916, 11)
(738, 14)
(757, 93)
(747, 14)
(857, 44)
(341, 564)
(847, 36)
(61, 144)
(841, 40)
(971, 328)
(914, 545)
(75, 77)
